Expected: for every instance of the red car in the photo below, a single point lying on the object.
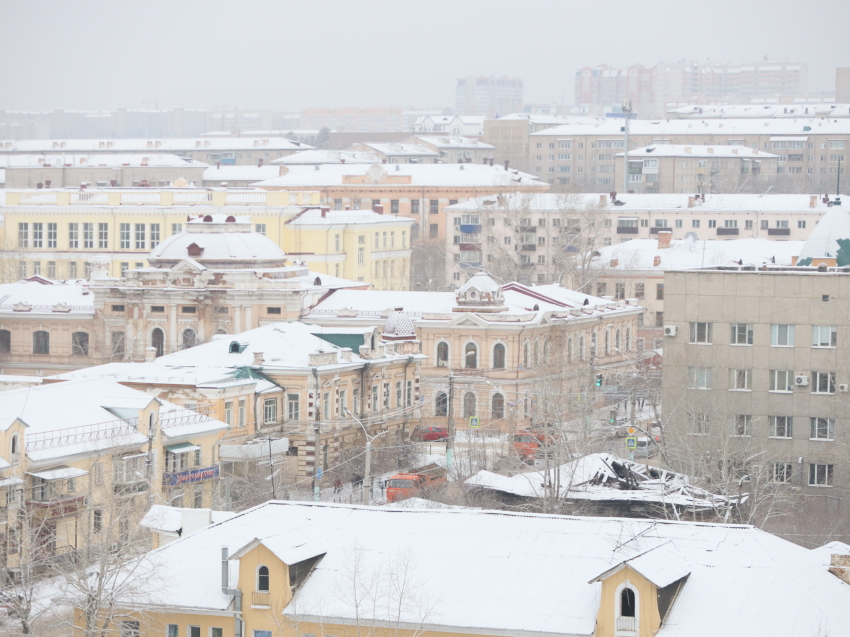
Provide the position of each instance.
(430, 434)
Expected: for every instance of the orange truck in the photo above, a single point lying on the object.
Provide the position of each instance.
(412, 484)
(528, 443)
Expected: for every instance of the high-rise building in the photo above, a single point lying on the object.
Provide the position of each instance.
(842, 85)
(489, 96)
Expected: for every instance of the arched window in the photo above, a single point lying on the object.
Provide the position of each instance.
(627, 603)
(618, 346)
(317, 281)
(470, 356)
(40, 342)
(536, 353)
(441, 406)
(5, 341)
(80, 344)
(189, 338)
(628, 339)
(468, 404)
(499, 356)
(442, 354)
(372, 342)
(607, 342)
(525, 351)
(546, 349)
(158, 341)
(498, 406)
(263, 579)
(581, 347)
(570, 352)
(13, 445)
(593, 349)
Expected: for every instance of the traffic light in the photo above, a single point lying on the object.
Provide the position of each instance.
(599, 380)
(612, 417)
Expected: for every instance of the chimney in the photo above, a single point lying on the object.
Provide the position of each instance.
(342, 161)
(150, 354)
(613, 196)
(603, 200)
(813, 201)
(379, 209)
(491, 161)
(192, 520)
(664, 239)
(656, 261)
(348, 207)
(259, 163)
(710, 150)
(688, 149)
(506, 164)
(614, 263)
(691, 201)
(839, 565)
(258, 358)
(325, 210)
(734, 151)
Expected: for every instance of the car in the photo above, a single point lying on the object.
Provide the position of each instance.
(430, 434)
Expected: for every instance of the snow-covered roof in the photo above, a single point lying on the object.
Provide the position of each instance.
(735, 111)
(240, 173)
(105, 160)
(459, 175)
(610, 126)
(38, 295)
(166, 519)
(693, 150)
(514, 574)
(603, 477)
(453, 142)
(563, 203)
(316, 156)
(640, 254)
(313, 216)
(398, 149)
(162, 145)
(830, 238)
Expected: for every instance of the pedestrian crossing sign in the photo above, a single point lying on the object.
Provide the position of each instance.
(473, 422)
(631, 443)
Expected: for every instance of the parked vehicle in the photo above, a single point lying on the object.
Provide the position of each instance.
(526, 444)
(430, 434)
(416, 482)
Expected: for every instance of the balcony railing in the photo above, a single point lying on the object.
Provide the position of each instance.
(657, 230)
(727, 231)
(627, 229)
(627, 623)
(779, 231)
(260, 598)
(528, 247)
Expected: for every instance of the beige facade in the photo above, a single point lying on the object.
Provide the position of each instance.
(511, 136)
(582, 155)
(764, 353)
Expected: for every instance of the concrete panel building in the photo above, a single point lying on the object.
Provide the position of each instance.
(489, 96)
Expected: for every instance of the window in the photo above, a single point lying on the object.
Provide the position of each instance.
(5, 341)
(748, 224)
(601, 289)
(442, 354)
(36, 267)
(499, 356)
(820, 475)
(695, 223)
(140, 236)
(130, 629)
(40, 342)
(189, 338)
(699, 377)
(80, 344)
(124, 267)
(823, 382)
(38, 235)
(742, 334)
(154, 235)
(124, 236)
(619, 290)
(782, 335)
(628, 607)
(740, 379)
(822, 428)
(659, 291)
(293, 406)
(441, 404)
(172, 630)
(781, 471)
(273, 310)
(88, 235)
(74, 235)
(433, 206)
(639, 293)
(228, 412)
(260, 228)
(241, 413)
(118, 344)
(781, 380)
(780, 426)
(394, 206)
(498, 407)
(699, 424)
(701, 333)
(263, 579)
(23, 235)
(103, 235)
(764, 224)
(374, 398)
(824, 336)
(742, 425)
(269, 411)
(678, 223)
(468, 404)
(176, 228)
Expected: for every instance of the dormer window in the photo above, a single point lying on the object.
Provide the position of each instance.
(626, 611)
(263, 579)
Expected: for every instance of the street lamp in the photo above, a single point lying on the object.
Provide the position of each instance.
(368, 478)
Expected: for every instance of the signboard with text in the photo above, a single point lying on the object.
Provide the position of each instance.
(185, 477)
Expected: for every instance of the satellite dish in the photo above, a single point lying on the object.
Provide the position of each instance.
(691, 236)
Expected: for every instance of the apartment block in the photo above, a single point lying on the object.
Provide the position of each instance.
(489, 96)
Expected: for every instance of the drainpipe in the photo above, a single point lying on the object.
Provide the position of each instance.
(235, 592)
(317, 480)
(404, 399)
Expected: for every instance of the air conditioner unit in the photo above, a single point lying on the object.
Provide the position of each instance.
(842, 387)
(800, 380)
(670, 330)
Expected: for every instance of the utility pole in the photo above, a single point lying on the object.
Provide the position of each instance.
(271, 469)
(366, 487)
(450, 441)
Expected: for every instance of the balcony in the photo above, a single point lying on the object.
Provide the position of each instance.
(627, 230)
(260, 599)
(528, 247)
(627, 624)
(657, 230)
(466, 228)
(722, 231)
(130, 488)
(469, 246)
(779, 231)
(528, 228)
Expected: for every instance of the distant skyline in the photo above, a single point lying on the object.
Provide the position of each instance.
(277, 55)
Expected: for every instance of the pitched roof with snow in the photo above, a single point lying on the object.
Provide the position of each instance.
(513, 574)
(312, 216)
(453, 142)
(694, 150)
(240, 173)
(97, 160)
(398, 149)
(38, 295)
(163, 145)
(316, 156)
(830, 238)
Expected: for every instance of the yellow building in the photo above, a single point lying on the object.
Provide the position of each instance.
(286, 569)
(82, 457)
(66, 235)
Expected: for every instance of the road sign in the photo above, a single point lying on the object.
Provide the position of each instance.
(631, 431)
(319, 473)
(473, 421)
(631, 443)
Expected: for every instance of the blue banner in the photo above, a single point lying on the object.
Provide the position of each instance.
(185, 477)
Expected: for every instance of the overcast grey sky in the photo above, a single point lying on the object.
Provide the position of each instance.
(91, 54)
